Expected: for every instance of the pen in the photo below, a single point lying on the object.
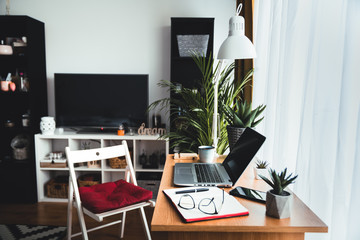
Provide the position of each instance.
(193, 190)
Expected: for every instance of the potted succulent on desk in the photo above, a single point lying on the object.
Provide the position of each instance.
(277, 199)
(260, 168)
(239, 117)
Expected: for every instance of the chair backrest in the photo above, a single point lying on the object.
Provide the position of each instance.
(88, 155)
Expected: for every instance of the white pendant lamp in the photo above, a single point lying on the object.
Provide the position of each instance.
(237, 45)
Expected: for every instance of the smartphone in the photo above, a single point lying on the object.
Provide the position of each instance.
(250, 194)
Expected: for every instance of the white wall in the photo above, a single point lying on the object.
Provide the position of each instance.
(116, 36)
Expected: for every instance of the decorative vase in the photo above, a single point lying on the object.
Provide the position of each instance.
(233, 134)
(278, 206)
(47, 125)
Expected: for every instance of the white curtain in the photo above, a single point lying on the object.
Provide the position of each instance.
(308, 74)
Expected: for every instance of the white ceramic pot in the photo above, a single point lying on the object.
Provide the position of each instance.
(47, 125)
(260, 171)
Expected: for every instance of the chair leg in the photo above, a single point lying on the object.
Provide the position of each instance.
(145, 223)
(69, 222)
(69, 211)
(82, 222)
(122, 226)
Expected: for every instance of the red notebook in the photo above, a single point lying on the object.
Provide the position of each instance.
(211, 203)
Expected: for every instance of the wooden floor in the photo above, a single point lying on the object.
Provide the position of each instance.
(55, 214)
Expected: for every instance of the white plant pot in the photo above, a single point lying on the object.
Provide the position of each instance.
(278, 206)
(47, 125)
(260, 171)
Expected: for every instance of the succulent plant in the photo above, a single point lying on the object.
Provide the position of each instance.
(262, 164)
(279, 181)
(242, 115)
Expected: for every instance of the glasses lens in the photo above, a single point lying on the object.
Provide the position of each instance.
(208, 206)
(186, 202)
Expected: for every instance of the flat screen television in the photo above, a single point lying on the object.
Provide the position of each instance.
(98, 102)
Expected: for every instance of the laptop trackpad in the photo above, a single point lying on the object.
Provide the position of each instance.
(184, 171)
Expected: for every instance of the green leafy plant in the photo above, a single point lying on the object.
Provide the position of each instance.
(279, 181)
(242, 115)
(192, 109)
(262, 164)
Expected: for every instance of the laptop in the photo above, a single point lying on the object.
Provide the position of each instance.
(223, 174)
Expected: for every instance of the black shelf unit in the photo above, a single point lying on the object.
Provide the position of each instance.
(18, 177)
(183, 68)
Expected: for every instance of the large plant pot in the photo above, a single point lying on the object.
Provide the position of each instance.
(233, 135)
(278, 206)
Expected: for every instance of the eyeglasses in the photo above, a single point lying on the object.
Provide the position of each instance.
(206, 205)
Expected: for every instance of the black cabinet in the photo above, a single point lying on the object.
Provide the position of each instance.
(22, 107)
(188, 35)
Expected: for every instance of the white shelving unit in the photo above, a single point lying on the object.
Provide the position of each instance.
(45, 144)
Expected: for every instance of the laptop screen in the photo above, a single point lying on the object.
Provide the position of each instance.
(242, 153)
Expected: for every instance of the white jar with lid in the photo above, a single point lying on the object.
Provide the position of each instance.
(47, 125)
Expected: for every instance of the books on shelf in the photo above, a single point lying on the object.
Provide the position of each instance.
(62, 160)
(213, 203)
(54, 160)
(52, 165)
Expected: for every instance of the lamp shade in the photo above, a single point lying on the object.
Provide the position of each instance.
(236, 45)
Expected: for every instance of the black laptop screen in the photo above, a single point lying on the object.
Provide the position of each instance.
(242, 153)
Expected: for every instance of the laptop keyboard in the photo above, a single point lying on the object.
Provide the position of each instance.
(207, 173)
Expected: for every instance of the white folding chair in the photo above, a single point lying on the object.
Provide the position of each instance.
(81, 156)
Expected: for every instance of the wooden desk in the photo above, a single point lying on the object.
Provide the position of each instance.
(255, 226)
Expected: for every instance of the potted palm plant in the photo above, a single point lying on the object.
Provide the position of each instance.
(277, 199)
(240, 116)
(260, 168)
(193, 109)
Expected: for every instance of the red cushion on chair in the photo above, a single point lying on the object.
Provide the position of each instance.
(112, 195)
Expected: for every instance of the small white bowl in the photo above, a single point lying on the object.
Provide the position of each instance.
(6, 50)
